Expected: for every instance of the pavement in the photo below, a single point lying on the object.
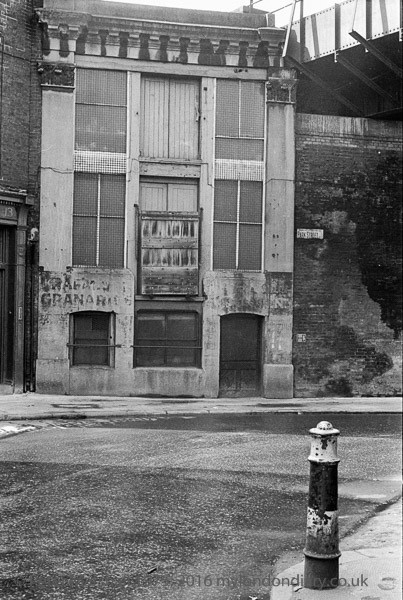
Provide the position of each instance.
(42, 406)
(370, 565)
(371, 560)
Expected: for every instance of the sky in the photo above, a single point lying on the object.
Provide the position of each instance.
(310, 6)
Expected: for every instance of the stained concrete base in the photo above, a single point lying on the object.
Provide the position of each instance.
(278, 381)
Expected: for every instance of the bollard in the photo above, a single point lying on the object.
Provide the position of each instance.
(322, 532)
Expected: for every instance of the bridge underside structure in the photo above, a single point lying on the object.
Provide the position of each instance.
(349, 58)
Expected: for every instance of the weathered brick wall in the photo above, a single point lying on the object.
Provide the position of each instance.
(20, 95)
(20, 129)
(347, 295)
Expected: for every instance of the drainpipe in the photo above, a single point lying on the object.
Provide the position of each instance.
(1, 96)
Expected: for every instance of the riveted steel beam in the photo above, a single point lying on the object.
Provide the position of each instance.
(369, 82)
(370, 46)
(319, 81)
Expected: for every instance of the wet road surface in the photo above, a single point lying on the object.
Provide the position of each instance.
(173, 508)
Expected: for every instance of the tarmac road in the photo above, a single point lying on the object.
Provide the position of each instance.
(177, 508)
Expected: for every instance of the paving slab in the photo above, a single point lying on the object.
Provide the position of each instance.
(42, 406)
(370, 565)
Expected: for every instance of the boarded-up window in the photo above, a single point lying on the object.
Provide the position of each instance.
(169, 118)
(238, 225)
(167, 339)
(98, 220)
(92, 338)
(101, 99)
(240, 118)
(169, 237)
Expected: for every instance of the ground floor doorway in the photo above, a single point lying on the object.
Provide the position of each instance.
(240, 355)
(7, 300)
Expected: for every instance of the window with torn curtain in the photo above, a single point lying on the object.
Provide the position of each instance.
(169, 234)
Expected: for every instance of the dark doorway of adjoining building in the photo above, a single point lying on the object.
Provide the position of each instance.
(240, 355)
(7, 261)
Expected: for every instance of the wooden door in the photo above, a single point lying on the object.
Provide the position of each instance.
(6, 305)
(240, 355)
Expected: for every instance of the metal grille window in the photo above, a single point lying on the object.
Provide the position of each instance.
(238, 225)
(101, 99)
(169, 118)
(167, 339)
(240, 118)
(99, 220)
(92, 337)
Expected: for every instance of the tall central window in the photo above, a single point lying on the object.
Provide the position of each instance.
(169, 254)
(169, 118)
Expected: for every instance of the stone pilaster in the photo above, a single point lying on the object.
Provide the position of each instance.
(279, 228)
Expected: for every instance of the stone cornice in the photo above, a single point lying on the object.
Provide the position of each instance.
(72, 33)
(77, 20)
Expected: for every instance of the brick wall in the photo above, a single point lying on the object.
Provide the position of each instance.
(20, 129)
(347, 295)
(20, 95)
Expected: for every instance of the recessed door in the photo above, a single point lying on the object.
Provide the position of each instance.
(240, 355)
(6, 304)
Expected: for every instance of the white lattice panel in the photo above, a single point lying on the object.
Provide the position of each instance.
(244, 170)
(99, 162)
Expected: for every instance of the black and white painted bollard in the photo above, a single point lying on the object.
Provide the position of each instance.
(322, 532)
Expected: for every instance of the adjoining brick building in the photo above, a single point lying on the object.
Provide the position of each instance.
(168, 191)
(347, 315)
(347, 284)
(19, 184)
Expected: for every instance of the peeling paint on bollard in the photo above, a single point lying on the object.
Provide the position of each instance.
(322, 532)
